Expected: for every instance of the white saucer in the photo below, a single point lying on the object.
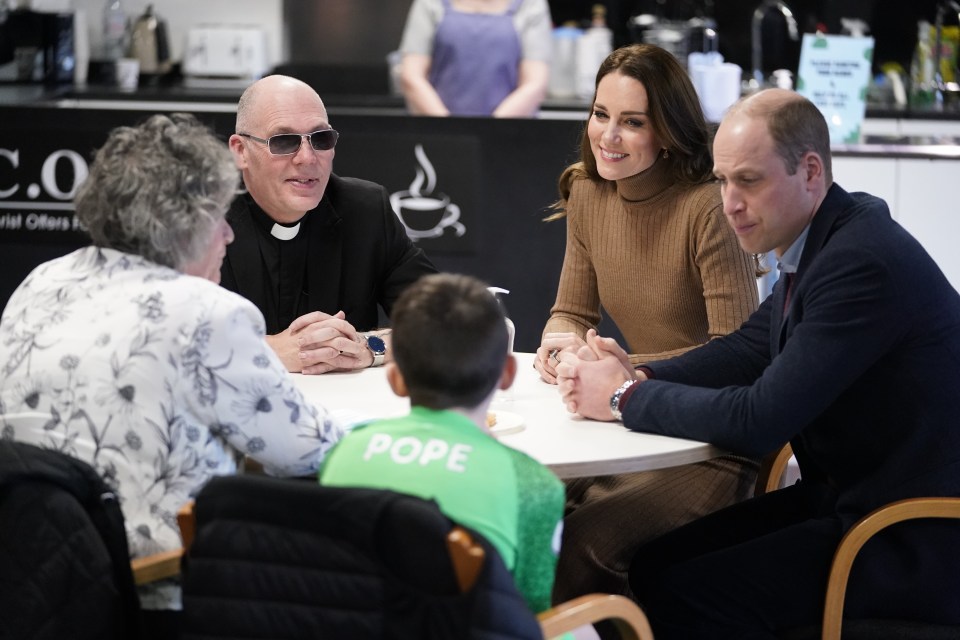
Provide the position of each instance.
(507, 423)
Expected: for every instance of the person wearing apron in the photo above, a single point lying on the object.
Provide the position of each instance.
(476, 63)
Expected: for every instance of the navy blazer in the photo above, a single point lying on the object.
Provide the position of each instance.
(360, 256)
(861, 374)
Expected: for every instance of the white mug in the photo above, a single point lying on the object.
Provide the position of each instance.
(128, 73)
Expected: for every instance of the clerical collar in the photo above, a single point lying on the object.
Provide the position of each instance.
(269, 226)
(281, 232)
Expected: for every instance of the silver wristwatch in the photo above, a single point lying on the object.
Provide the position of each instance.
(615, 399)
(377, 347)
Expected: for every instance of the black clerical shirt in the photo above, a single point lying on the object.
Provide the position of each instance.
(285, 262)
(351, 253)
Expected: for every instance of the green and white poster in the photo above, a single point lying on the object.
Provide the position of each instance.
(834, 74)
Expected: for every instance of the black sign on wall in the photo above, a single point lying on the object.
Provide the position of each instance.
(434, 183)
(37, 185)
(45, 154)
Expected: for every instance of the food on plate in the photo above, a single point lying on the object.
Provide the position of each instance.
(491, 418)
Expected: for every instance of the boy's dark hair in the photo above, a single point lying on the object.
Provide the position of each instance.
(449, 341)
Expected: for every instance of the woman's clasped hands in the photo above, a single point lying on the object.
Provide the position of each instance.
(548, 355)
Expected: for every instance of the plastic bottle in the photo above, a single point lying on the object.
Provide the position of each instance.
(114, 31)
(511, 328)
(592, 49)
(563, 67)
(921, 69)
(81, 47)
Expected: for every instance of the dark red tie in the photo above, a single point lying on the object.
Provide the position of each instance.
(789, 284)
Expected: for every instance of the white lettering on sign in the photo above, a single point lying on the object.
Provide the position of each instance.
(48, 174)
(14, 158)
(409, 449)
(11, 221)
(44, 222)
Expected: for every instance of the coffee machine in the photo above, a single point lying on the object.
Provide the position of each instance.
(41, 44)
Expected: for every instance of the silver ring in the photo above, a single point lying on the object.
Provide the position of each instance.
(553, 354)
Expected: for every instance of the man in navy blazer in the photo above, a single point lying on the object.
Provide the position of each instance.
(854, 359)
(318, 254)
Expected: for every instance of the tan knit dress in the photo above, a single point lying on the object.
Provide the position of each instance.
(661, 260)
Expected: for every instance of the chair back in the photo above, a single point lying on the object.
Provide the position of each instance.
(293, 559)
(772, 468)
(63, 549)
(166, 564)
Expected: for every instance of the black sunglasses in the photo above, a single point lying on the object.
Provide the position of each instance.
(285, 144)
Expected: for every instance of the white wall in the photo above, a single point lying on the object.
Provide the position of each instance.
(180, 15)
(920, 195)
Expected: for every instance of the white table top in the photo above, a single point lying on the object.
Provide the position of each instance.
(571, 446)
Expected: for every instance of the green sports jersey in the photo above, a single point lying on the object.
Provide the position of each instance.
(502, 493)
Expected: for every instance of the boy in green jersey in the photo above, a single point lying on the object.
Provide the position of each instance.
(450, 357)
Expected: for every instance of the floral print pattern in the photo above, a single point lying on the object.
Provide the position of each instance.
(158, 379)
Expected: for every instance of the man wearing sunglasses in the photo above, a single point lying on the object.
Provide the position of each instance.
(317, 253)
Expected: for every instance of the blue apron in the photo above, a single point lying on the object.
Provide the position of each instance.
(476, 59)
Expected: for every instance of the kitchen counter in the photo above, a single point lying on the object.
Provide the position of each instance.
(228, 92)
(929, 147)
(222, 96)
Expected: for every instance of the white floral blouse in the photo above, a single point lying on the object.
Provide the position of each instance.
(158, 379)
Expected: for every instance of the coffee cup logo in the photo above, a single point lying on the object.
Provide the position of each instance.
(426, 213)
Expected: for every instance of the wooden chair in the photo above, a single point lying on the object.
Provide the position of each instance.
(769, 479)
(853, 541)
(166, 564)
(149, 568)
(628, 619)
(772, 467)
(467, 559)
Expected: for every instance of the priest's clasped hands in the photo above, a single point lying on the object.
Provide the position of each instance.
(318, 342)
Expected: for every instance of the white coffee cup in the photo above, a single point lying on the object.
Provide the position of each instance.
(128, 73)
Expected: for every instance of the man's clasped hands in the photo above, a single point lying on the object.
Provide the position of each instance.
(587, 374)
(317, 342)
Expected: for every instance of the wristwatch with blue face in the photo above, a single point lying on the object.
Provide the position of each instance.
(377, 347)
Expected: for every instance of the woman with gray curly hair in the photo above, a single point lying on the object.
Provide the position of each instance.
(127, 354)
(159, 191)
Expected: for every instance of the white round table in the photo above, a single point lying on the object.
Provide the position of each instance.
(570, 445)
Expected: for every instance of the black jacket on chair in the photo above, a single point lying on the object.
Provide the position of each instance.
(292, 559)
(64, 560)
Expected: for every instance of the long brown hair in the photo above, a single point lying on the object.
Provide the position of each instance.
(674, 114)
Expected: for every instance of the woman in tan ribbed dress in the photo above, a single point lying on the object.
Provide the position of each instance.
(646, 241)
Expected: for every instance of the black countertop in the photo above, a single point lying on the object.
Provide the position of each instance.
(218, 95)
(228, 91)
